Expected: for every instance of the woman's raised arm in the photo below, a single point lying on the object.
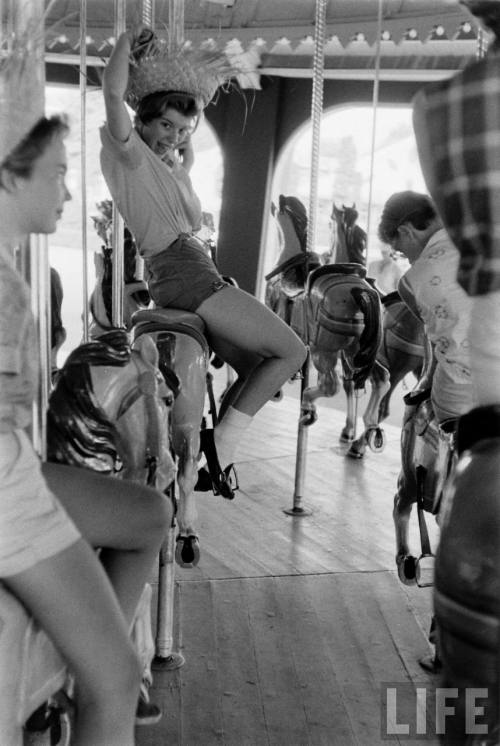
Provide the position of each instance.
(114, 85)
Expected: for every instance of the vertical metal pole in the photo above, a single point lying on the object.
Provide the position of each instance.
(175, 22)
(148, 13)
(40, 305)
(166, 658)
(376, 83)
(117, 239)
(316, 112)
(298, 510)
(83, 163)
(35, 251)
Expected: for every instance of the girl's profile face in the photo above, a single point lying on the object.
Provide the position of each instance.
(166, 132)
(44, 192)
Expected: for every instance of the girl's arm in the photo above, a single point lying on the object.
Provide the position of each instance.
(114, 85)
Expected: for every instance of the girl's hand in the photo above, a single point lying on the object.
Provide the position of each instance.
(186, 153)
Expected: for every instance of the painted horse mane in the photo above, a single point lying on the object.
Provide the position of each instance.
(293, 207)
(77, 427)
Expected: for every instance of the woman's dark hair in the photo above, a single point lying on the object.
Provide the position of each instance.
(405, 207)
(20, 161)
(153, 105)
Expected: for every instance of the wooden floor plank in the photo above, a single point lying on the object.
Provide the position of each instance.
(289, 626)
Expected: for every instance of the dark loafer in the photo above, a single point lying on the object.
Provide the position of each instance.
(221, 481)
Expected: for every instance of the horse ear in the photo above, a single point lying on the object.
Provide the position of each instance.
(146, 349)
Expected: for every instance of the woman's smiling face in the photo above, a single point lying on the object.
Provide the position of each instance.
(166, 132)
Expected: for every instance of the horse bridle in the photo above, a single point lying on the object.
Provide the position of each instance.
(146, 387)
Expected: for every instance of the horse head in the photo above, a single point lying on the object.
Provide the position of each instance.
(135, 291)
(294, 261)
(349, 244)
(109, 411)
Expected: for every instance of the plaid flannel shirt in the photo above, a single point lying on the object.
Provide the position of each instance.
(460, 122)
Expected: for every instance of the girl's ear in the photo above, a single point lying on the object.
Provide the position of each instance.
(8, 180)
(405, 229)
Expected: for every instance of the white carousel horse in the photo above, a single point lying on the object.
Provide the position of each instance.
(332, 308)
(108, 412)
(184, 358)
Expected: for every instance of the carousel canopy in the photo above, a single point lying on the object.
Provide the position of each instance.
(420, 38)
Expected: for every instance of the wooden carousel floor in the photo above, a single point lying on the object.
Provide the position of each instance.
(291, 627)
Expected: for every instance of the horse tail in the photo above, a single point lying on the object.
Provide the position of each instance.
(371, 337)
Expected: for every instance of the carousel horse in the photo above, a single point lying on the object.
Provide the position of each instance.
(332, 308)
(184, 358)
(349, 242)
(401, 352)
(427, 460)
(108, 412)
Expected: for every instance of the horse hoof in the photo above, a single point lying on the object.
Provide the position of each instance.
(187, 551)
(376, 439)
(346, 437)
(407, 569)
(353, 452)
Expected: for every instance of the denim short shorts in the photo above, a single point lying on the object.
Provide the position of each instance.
(183, 275)
(33, 524)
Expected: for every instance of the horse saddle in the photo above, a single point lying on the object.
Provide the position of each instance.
(171, 319)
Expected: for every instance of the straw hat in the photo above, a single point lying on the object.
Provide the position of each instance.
(156, 66)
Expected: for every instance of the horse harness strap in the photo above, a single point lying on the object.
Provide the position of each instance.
(146, 388)
(294, 261)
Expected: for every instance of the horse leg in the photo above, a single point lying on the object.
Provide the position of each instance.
(190, 365)
(187, 444)
(327, 383)
(403, 503)
(347, 434)
(372, 436)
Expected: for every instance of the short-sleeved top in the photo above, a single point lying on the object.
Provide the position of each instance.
(19, 356)
(443, 305)
(156, 201)
(459, 119)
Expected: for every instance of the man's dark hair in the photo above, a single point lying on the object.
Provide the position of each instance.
(405, 207)
(21, 160)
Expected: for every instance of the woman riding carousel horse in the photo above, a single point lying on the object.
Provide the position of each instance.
(52, 517)
(146, 168)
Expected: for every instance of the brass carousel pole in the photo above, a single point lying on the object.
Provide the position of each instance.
(34, 256)
(117, 279)
(305, 419)
(83, 163)
(166, 659)
(375, 98)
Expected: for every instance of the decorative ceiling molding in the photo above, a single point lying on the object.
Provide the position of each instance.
(276, 36)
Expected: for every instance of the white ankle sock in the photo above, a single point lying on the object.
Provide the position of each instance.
(228, 433)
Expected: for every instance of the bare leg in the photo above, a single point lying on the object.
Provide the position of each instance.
(130, 521)
(236, 319)
(71, 597)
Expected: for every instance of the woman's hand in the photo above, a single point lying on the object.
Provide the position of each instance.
(186, 153)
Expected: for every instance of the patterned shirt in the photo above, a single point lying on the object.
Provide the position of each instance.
(442, 304)
(156, 201)
(457, 126)
(19, 362)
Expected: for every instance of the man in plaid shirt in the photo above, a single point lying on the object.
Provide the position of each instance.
(457, 126)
